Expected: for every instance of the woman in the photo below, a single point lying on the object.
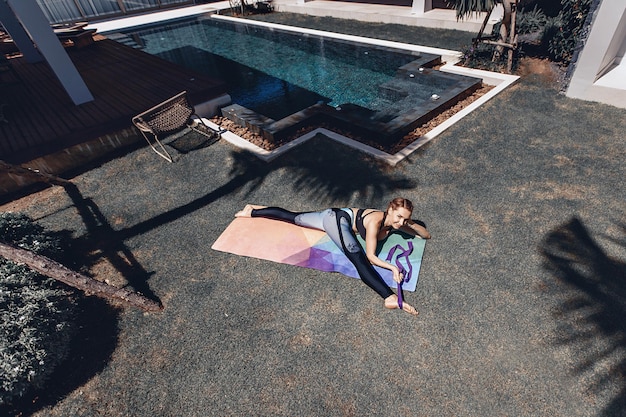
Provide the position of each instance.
(341, 226)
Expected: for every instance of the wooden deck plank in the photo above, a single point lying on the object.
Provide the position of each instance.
(11, 134)
(124, 82)
(24, 101)
(55, 99)
(46, 95)
(25, 109)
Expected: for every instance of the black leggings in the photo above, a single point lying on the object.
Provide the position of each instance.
(337, 223)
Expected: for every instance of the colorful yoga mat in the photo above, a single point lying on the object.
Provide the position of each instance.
(294, 245)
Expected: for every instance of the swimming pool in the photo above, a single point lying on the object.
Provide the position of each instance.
(275, 74)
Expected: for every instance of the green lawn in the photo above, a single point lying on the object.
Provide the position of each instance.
(521, 291)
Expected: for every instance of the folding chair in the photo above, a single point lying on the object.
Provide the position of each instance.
(169, 117)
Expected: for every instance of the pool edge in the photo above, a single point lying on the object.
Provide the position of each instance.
(497, 80)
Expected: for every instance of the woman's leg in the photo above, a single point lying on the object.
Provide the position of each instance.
(275, 213)
(311, 220)
(337, 225)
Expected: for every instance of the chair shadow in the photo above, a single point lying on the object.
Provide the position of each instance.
(190, 142)
(593, 310)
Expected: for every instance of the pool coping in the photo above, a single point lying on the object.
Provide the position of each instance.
(447, 55)
(497, 80)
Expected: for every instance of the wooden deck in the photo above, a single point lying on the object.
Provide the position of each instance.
(40, 118)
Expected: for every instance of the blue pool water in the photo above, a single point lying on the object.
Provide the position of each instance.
(277, 73)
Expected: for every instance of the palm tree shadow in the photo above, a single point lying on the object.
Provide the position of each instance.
(319, 174)
(324, 170)
(99, 242)
(320, 170)
(592, 314)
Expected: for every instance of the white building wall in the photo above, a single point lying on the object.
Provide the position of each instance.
(600, 71)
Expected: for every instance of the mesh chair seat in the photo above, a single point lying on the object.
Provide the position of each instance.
(166, 118)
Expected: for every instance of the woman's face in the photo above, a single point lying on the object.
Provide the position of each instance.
(398, 217)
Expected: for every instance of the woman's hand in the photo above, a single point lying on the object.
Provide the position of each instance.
(397, 275)
(415, 229)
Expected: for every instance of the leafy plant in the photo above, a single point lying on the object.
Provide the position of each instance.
(562, 32)
(37, 315)
(466, 8)
(505, 30)
(531, 21)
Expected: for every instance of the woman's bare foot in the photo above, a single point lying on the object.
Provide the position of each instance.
(391, 302)
(247, 210)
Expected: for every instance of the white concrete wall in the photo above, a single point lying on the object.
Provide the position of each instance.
(421, 6)
(600, 71)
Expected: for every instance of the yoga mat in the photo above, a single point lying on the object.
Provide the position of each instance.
(294, 245)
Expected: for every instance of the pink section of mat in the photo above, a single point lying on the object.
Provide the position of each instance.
(280, 242)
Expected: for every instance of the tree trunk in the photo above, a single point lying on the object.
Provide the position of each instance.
(55, 270)
(505, 29)
(37, 175)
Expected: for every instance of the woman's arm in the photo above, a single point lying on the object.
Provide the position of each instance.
(415, 229)
(371, 242)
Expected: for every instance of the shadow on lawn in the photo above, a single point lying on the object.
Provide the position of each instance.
(592, 314)
(316, 175)
(100, 241)
(325, 173)
(322, 173)
(318, 170)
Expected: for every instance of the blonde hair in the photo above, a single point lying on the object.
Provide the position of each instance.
(400, 202)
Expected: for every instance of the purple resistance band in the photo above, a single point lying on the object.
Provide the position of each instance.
(400, 286)
(403, 254)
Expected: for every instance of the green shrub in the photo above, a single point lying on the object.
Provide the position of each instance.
(481, 57)
(37, 315)
(530, 21)
(559, 34)
(562, 32)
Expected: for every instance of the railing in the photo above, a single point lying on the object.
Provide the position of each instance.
(60, 11)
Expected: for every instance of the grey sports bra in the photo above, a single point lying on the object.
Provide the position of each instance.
(359, 221)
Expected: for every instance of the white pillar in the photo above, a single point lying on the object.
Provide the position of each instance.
(18, 34)
(421, 6)
(604, 47)
(36, 24)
